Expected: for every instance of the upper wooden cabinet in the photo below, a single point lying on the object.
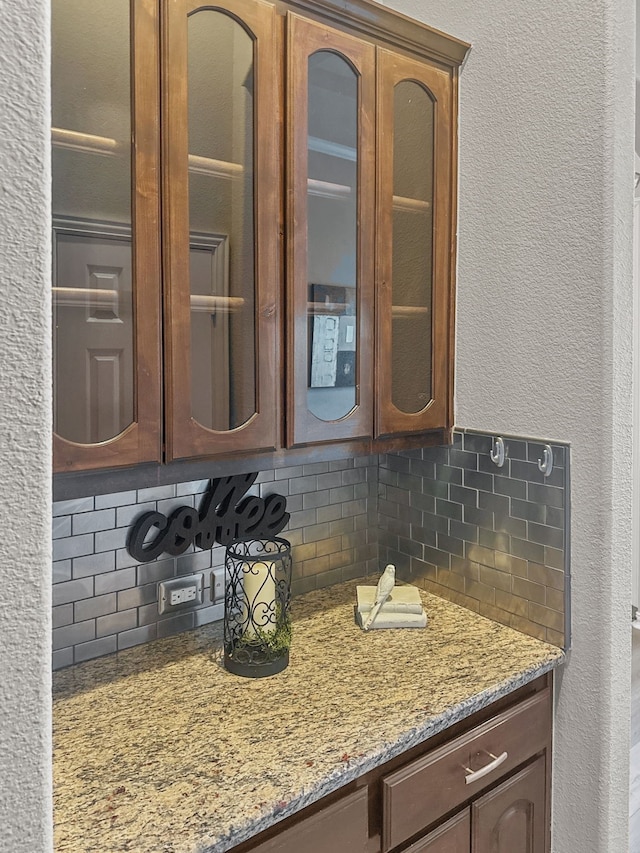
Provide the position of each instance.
(331, 246)
(106, 234)
(415, 284)
(222, 212)
(253, 214)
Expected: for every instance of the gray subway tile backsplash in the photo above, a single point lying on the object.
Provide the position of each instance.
(73, 546)
(114, 623)
(72, 506)
(168, 505)
(136, 596)
(95, 648)
(127, 514)
(115, 499)
(68, 591)
(71, 635)
(90, 522)
(115, 581)
(156, 493)
(91, 608)
(490, 539)
(111, 540)
(176, 624)
(61, 571)
(62, 657)
(137, 636)
(94, 564)
(61, 526)
(196, 487)
(500, 533)
(198, 561)
(62, 615)
(158, 570)
(332, 528)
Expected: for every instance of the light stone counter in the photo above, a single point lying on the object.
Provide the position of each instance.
(159, 750)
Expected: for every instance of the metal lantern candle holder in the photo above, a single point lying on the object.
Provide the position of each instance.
(257, 622)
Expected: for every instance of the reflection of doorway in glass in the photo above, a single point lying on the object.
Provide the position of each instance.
(93, 336)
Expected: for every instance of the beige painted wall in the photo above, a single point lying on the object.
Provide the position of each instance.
(25, 406)
(544, 329)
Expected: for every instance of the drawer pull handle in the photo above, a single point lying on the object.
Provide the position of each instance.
(473, 776)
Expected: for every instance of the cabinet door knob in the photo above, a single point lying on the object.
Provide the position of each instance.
(473, 776)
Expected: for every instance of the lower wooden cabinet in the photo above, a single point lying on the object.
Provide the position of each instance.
(511, 817)
(341, 826)
(483, 787)
(454, 836)
(417, 794)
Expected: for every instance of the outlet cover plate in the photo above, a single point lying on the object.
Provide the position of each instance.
(217, 585)
(178, 594)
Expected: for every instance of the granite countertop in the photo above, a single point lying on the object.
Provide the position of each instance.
(159, 749)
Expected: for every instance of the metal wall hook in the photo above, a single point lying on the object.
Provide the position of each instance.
(497, 451)
(546, 463)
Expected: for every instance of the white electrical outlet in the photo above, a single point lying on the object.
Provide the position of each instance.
(217, 584)
(180, 593)
(182, 596)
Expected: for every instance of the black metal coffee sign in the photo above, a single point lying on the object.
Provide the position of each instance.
(223, 517)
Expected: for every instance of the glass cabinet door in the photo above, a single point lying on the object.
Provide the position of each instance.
(222, 163)
(414, 233)
(106, 267)
(330, 252)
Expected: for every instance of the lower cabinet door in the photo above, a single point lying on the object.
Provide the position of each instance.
(339, 828)
(511, 817)
(417, 795)
(454, 836)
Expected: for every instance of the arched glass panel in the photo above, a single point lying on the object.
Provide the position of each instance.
(221, 220)
(93, 340)
(412, 247)
(332, 212)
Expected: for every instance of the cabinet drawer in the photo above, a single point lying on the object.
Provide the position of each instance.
(339, 828)
(419, 793)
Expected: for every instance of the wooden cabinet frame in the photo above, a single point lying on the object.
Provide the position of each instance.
(392, 69)
(141, 440)
(305, 38)
(184, 436)
(365, 33)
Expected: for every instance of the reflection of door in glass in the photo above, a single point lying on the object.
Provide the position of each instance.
(93, 333)
(93, 330)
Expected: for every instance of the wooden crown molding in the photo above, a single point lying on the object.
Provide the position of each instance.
(385, 26)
